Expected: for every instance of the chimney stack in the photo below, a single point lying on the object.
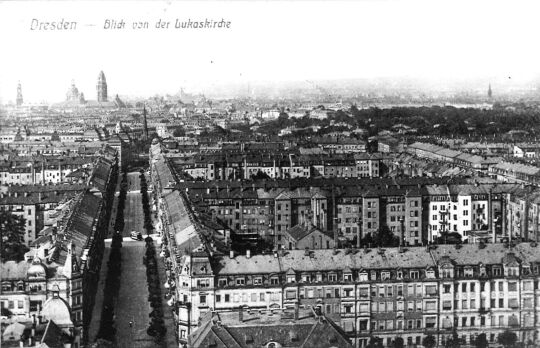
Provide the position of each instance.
(248, 253)
(241, 314)
(231, 254)
(296, 311)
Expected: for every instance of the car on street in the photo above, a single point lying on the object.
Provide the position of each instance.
(136, 235)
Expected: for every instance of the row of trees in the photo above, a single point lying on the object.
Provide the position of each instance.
(508, 339)
(107, 329)
(156, 327)
(146, 204)
(119, 222)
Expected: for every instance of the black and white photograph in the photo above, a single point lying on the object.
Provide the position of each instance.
(270, 174)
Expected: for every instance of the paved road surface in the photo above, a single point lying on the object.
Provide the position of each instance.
(133, 302)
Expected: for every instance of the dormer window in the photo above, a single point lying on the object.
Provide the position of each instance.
(257, 281)
(306, 278)
(240, 281)
(291, 278)
(399, 274)
(347, 277)
(373, 275)
(319, 277)
(332, 277)
(222, 282)
(512, 271)
(6, 286)
(430, 274)
(363, 277)
(448, 273)
(468, 272)
(203, 283)
(385, 275)
(497, 271)
(483, 271)
(415, 275)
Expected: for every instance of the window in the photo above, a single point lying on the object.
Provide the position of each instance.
(227, 298)
(431, 322)
(290, 294)
(364, 307)
(364, 292)
(218, 298)
(240, 281)
(447, 305)
(261, 296)
(410, 306)
(400, 306)
(512, 286)
(202, 299)
(447, 288)
(431, 305)
(513, 303)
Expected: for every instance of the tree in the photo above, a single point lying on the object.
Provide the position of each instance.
(260, 175)
(12, 230)
(398, 342)
(179, 132)
(481, 341)
(375, 342)
(454, 341)
(507, 338)
(429, 341)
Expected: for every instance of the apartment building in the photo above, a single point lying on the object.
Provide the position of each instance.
(394, 292)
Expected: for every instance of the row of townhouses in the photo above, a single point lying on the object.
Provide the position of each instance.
(407, 292)
(277, 165)
(64, 260)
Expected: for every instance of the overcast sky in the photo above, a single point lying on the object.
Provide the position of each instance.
(282, 40)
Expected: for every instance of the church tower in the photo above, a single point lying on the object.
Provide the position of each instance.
(101, 88)
(490, 93)
(19, 95)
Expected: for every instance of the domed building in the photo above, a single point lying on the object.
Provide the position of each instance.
(57, 310)
(73, 93)
(37, 269)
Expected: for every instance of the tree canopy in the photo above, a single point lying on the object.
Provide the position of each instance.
(12, 229)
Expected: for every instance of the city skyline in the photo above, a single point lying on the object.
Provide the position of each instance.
(266, 42)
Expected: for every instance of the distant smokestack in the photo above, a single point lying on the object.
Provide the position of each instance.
(241, 314)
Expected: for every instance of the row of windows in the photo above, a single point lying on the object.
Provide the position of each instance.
(253, 297)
